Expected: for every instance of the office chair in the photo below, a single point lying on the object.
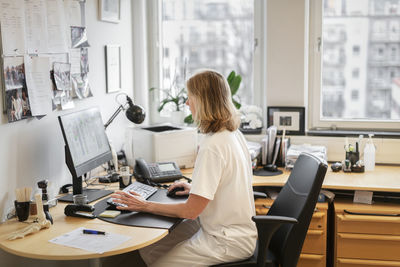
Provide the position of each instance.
(282, 231)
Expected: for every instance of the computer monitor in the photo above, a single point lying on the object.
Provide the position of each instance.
(86, 147)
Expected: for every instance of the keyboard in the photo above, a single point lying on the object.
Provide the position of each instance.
(142, 189)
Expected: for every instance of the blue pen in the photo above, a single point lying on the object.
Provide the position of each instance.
(93, 232)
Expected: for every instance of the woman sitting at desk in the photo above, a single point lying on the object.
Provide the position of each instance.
(220, 203)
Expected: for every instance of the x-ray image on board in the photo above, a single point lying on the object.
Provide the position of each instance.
(62, 75)
(80, 85)
(79, 37)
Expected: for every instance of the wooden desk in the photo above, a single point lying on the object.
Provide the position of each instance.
(37, 245)
(383, 179)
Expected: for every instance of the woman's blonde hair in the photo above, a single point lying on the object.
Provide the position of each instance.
(212, 102)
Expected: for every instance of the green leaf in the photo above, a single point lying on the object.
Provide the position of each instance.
(236, 104)
(188, 119)
(230, 77)
(234, 85)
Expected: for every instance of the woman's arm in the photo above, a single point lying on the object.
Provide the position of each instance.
(191, 209)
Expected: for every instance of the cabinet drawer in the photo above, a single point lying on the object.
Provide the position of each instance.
(365, 263)
(311, 260)
(366, 224)
(368, 246)
(318, 220)
(315, 242)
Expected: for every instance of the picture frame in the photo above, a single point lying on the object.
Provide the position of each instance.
(110, 10)
(113, 68)
(289, 118)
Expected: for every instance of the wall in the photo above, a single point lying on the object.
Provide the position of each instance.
(287, 40)
(32, 150)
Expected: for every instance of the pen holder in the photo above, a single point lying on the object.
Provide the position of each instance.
(22, 210)
(353, 157)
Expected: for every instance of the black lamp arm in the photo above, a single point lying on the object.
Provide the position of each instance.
(110, 120)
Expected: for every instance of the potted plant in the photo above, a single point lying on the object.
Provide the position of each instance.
(177, 99)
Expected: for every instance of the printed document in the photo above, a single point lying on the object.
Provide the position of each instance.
(94, 243)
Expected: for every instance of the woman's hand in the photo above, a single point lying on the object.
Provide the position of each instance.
(185, 185)
(133, 201)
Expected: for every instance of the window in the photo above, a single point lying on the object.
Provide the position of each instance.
(196, 34)
(368, 29)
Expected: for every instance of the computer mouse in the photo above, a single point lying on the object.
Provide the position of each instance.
(173, 194)
(271, 168)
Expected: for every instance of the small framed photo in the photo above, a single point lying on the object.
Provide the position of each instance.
(113, 68)
(110, 10)
(290, 119)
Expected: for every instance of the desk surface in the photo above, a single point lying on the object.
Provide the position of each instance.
(383, 178)
(37, 245)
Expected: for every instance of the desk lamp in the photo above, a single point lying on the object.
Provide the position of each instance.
(135, 114)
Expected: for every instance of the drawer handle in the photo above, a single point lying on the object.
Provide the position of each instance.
(358, 262)
(371, 214)
(369, 237)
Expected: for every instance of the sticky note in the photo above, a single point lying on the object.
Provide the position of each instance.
(110, 213)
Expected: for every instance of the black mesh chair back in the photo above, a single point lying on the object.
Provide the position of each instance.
(282, 231)
(297, 199)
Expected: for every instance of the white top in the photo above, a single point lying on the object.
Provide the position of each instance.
(223, 174)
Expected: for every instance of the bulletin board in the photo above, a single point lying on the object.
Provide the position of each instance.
(44, 56)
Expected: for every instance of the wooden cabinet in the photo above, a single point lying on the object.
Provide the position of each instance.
(367, 235)
(313, 253)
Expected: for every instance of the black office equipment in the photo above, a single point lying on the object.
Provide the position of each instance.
(158, 172)
(141, 219)
(282, 231)
(86, 148)
(173, 194)
(79, 211)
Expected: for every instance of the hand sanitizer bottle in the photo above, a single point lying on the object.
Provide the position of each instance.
(369, 154)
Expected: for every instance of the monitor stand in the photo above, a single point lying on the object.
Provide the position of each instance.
(92, 195)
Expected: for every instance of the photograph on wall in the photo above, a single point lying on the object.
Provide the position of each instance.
(16, 93)
(109, 10)
(79, 37)
(290, 119)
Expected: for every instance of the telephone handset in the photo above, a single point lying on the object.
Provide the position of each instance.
(158, 172)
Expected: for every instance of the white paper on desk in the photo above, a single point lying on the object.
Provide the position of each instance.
(37, 71)
(56, 27)
(94, 243)
(12, 21)
(35, 26)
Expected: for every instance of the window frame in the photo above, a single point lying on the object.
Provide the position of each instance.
(154, 10)
(315, 76)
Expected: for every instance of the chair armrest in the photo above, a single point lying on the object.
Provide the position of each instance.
(266, 227)
(259, 195)
(270, 219)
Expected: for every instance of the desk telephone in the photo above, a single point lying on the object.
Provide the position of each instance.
(160, 172)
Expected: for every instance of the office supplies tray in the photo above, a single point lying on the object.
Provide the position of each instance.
(143, 219)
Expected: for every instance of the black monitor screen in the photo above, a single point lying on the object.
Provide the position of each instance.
(86, 139)
(86, 143)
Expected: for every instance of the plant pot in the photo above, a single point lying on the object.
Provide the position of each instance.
(177, 117)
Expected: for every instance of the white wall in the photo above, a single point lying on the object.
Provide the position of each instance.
(32, 150)
(286, 59)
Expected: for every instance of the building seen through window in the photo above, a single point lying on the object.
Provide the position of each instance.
(361, 49)
(217, 34)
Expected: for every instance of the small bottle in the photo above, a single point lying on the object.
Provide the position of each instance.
(369, 154)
